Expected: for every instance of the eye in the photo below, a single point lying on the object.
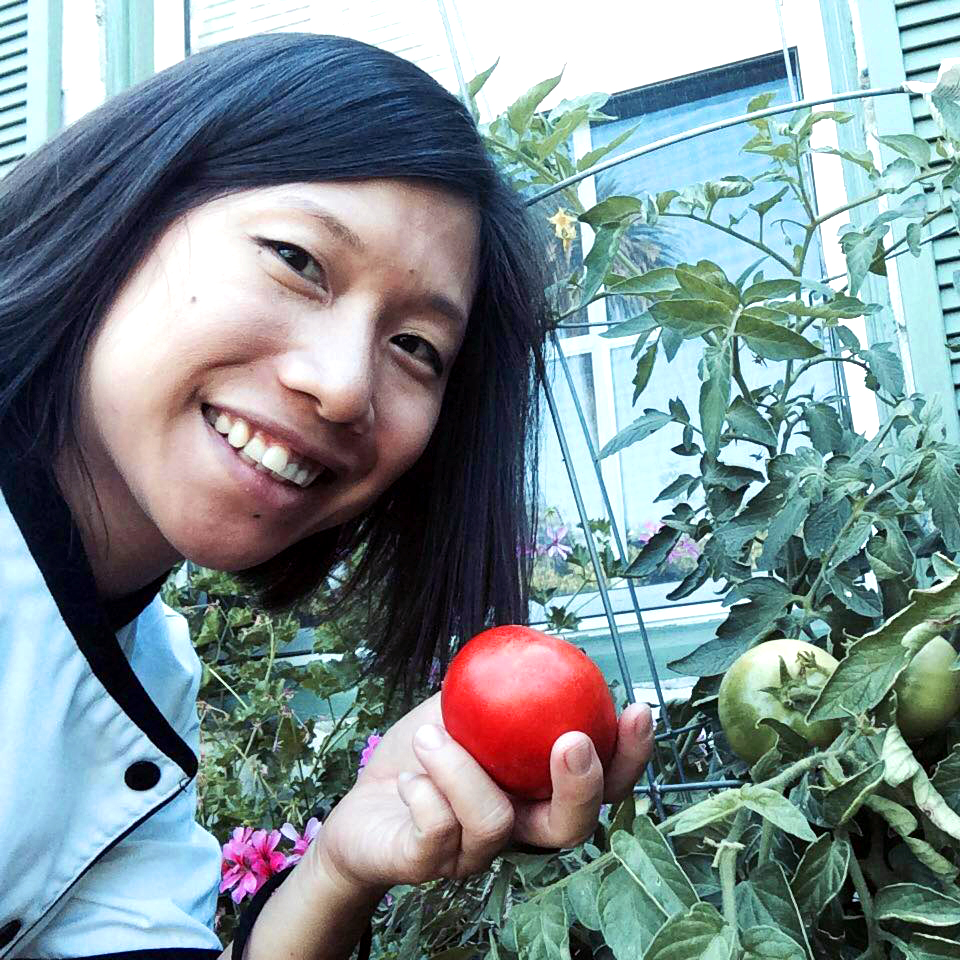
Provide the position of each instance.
(421, 349)
(299, 260)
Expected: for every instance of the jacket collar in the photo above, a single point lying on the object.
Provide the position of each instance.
(53, 539)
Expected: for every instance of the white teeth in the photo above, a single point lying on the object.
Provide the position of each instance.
(239, 435)
(255, 449)
(275, 458)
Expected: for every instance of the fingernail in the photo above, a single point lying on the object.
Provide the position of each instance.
(578, 759)
(430, 737)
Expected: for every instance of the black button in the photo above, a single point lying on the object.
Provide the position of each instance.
(142, 775)
(8, 931)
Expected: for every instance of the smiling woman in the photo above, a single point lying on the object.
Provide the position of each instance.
(271, 310)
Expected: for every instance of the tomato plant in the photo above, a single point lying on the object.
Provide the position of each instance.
(928, 691)
(511, 691)
(776, 680)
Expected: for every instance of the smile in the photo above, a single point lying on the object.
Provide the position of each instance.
(268, 455)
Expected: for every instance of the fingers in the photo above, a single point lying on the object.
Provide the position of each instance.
(435, 841)
(570, 816)
(634, 745)
(482, 809)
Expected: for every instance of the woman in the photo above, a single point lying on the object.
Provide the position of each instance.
(272, 307)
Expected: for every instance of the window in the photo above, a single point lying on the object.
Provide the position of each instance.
(30, 47)
(603, 369)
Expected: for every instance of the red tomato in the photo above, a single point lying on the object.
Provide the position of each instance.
(511, 691)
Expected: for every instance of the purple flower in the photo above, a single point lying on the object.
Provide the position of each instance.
(554, 548)
(367, 751)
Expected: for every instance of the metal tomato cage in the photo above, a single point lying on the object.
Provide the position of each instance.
(670, 734)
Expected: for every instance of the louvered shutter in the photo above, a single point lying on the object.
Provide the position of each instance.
(908, 39)
(30, 56)
(13, 83)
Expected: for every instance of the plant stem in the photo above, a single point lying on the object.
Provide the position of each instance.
(874, 948)
(766, 840)
(726, 863)
(216, 676)
(762, 247)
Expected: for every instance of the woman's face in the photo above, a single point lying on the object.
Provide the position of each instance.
(277, 361)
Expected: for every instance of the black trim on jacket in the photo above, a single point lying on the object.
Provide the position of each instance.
(54, 540)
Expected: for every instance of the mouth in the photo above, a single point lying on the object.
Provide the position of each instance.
(266, 454)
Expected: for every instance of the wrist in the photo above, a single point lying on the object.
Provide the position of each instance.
(332, 881)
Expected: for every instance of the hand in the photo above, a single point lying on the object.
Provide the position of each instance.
(423, 808)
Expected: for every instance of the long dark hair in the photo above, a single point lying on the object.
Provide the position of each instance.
(442, 551)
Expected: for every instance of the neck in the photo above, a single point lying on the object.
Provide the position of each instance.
(124, 549)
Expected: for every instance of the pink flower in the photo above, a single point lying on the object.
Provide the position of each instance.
(248, 859)
(300, 841)
(367, 751)
(554, 548)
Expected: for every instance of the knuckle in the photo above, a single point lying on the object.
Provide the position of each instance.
(495, 825)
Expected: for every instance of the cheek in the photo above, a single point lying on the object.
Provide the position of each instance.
(407, 432)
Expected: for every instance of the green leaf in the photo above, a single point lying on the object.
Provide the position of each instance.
(583, 891)
(852, 541)
(899, 763)
(844, 800)
(702, 282)
(860, 250)
(765, 899)
(718, 807)
(934, 806)
(595, 156)
(641, 324)
(862, 158)
(476, 84)
(945, 870)
(660, 280)
(641, 428)
(765, 206)
(645, 367)
(771, 289)
(521, 112)
(820, 875)
(629, 916)
(747, 624)
(679, 487)
(946, 778)
(777, 809)
(597, 262)
(840, 307)
(653, 553)
(855, 596)
(744, 420)
(660, 854)
(823, 525)
(694, 580)
(873, 663)
(886, 367)
(907, 145)
(715, 393)
(916, 904)
(613, 210)
(823, 426)
(643, 861)
(897, 175)
(782, 527)
(913, 238)
(691, 318)
(922, 946)
(940, 483)
(542, 928)
(561, 133)
(773, 341)
(698, 934)
(769, 943)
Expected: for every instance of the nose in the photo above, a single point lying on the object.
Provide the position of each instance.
(336, 368)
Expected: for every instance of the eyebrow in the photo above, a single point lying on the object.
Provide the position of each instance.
(336, 226)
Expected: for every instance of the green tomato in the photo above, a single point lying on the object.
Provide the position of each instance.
(928, 691)
(745, 697)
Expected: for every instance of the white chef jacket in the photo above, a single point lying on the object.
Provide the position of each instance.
(100, 852)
